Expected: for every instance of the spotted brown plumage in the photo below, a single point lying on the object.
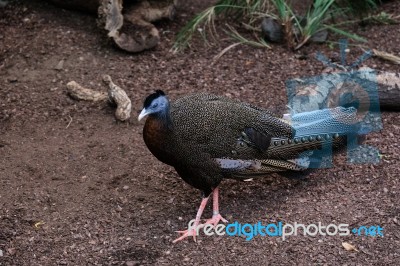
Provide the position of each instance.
(208, 138)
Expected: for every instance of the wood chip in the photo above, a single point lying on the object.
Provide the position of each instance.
(349, 247)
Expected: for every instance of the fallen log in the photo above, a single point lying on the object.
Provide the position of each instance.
(389, 91)
(128, 23)
(331, 91)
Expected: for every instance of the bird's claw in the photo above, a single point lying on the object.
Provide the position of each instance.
(186, 233)
(215, 219)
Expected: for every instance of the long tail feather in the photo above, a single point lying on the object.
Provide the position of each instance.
(317, 134)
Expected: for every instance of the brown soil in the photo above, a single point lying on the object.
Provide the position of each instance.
(78, 188)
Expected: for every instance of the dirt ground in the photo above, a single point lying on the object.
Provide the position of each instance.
(78, 188)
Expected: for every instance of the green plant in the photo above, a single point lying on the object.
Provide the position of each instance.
(382, 18)
(314, 20)
(285, 16)
(206, 18)
(297, 31)
(359, 8)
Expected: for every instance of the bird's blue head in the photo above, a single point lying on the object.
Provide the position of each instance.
(155, 104)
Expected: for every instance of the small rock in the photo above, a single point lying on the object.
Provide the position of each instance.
(1, 253)
(320, 36)
(3, 3)
(11, 251)
(125, 187)
(12, 79)
(60, 65)
(171, 200)
(272, 30)
(385, 190)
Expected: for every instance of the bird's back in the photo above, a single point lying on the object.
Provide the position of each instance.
(213, 124)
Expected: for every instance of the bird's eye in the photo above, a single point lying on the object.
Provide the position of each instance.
(154, 105)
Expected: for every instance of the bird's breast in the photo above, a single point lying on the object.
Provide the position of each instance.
(158, 139)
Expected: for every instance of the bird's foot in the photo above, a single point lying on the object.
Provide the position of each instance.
(215, 219)
(185, 234)
(194, 231)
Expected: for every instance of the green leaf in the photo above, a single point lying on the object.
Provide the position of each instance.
(345, 33)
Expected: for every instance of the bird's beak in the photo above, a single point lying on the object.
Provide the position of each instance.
(142, 114)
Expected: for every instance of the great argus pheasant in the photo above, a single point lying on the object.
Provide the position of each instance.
(208, 138)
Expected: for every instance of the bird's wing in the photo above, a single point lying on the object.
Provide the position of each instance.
(245, 169)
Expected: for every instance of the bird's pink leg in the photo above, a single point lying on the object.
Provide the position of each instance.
(193, 230)
(216, 215)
